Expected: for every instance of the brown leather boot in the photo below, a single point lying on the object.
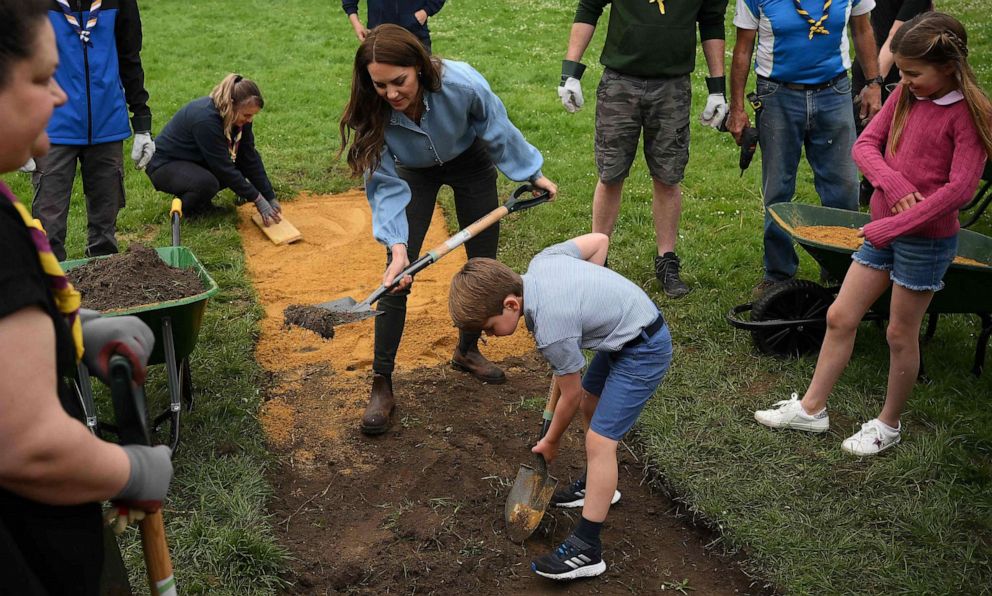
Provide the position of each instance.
(478, 366)
(377, 415)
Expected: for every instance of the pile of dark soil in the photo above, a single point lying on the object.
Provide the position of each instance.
(319, 320)
(419, 510)
(133, 278)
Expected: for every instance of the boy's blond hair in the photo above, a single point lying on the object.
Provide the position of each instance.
(478, 290)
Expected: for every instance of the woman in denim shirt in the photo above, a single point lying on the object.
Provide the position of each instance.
(414, 123)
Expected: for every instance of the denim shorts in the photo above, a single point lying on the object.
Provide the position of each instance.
(625, 380)
(913, 262)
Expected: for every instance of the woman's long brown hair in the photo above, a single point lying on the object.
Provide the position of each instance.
(939, 39)
(363, 124)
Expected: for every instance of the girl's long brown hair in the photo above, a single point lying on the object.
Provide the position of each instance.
(233, 93)
(939, 39)
(363, 124)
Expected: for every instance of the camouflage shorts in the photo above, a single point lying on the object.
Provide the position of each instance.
(625, 106)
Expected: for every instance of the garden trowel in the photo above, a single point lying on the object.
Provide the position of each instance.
(533, 488)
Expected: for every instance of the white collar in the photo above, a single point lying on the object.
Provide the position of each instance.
(948, 99)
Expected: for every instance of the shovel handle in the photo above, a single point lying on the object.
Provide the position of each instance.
(514, 204)
(549, 411)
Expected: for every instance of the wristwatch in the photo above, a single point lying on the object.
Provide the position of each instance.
(879, 80)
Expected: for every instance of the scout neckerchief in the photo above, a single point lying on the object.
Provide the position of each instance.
(232, 144)
(661, 5)
(67, 299)
(83, 31)
(815, 26)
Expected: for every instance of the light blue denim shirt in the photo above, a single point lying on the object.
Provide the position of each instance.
(464, 109)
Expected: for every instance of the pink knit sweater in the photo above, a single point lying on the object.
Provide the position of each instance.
(940, 155)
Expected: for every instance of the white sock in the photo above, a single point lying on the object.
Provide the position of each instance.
(889, 429)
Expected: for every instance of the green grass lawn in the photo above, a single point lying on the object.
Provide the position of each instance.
(809, 518)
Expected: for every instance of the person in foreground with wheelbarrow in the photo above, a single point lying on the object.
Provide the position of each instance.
(209, 145)
(412, 124)
(53, 472)
(924, 153)
(571, 303)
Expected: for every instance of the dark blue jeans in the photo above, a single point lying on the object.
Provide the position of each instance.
(821, 122)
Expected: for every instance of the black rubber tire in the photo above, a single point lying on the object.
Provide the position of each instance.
(792, 300)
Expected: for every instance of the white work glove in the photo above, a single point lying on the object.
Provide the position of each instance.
(143, 149)
(715, 112)
(570, 89)
(29, 166)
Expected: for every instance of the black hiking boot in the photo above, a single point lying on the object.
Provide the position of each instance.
(666, 269)
(573, 559)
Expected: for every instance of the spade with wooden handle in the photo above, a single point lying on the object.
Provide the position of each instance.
(533, 488)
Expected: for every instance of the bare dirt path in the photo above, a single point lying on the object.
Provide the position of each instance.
(419, 509)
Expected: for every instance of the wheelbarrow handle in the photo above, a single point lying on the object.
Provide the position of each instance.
(514, 204)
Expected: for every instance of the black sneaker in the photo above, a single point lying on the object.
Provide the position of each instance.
(573, 559)
(575, 495)
(666, 269)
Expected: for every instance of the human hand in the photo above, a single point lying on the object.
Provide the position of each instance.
(269, 214)
(907, 202)
(421, 16)
(148, 481)
(546, 448)
(360, 31)
(399, 262)
(143, 149)
(105, 336)
(29, 166)
(545, 184)
(737, 122)
(871, 102)
(570, 93)
(715, 111)
(276, 206)
(861, 232)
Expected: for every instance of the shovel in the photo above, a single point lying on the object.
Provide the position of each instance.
(132, 424)
(347, 310)
(533, 488)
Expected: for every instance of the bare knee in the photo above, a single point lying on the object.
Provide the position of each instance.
(841, 320)
(598, 446)
(901, 336)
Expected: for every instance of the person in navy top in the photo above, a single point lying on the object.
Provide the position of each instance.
(100, 70)
(412, 15)
(801, 65)
(412, 124)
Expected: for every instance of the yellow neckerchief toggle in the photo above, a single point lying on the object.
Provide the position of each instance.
(661, 5)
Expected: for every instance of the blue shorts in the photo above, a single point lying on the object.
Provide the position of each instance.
(913, 262)
(625, 380)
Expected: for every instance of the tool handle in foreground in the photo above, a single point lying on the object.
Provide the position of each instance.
(549, 411)
(175, 215)
(157, 559)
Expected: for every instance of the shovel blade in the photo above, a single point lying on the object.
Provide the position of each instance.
(347, 310)
(529, 497)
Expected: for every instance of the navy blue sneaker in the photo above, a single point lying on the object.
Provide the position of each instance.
(575, 495)
(573, 559)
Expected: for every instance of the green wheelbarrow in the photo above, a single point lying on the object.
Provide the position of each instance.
(790, 319)
(176, 325)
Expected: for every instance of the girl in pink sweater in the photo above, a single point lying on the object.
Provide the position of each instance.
(924, 153)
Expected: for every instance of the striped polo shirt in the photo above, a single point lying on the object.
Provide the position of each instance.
(785, 51)
(571, 305)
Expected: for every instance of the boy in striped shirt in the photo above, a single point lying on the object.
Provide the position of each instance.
(570, 303)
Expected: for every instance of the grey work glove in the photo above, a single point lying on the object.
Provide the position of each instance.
(148, 483)
(276, 206)
(28, 167)
(105, 336)
(570, 89)
(143, 149)
(270, 214)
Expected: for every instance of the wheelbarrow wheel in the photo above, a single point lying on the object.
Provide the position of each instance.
(794, 300)
(186, 384)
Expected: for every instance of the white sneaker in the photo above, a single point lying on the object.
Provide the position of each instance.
(789, 413)
(874, 437)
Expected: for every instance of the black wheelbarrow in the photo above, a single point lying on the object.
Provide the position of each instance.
(790, 319)
(176, 325)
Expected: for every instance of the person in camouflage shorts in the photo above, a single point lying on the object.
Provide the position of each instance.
(649, 54)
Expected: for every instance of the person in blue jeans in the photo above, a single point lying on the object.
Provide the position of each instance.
(571, 303)
(801, 66)
(412, 15)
